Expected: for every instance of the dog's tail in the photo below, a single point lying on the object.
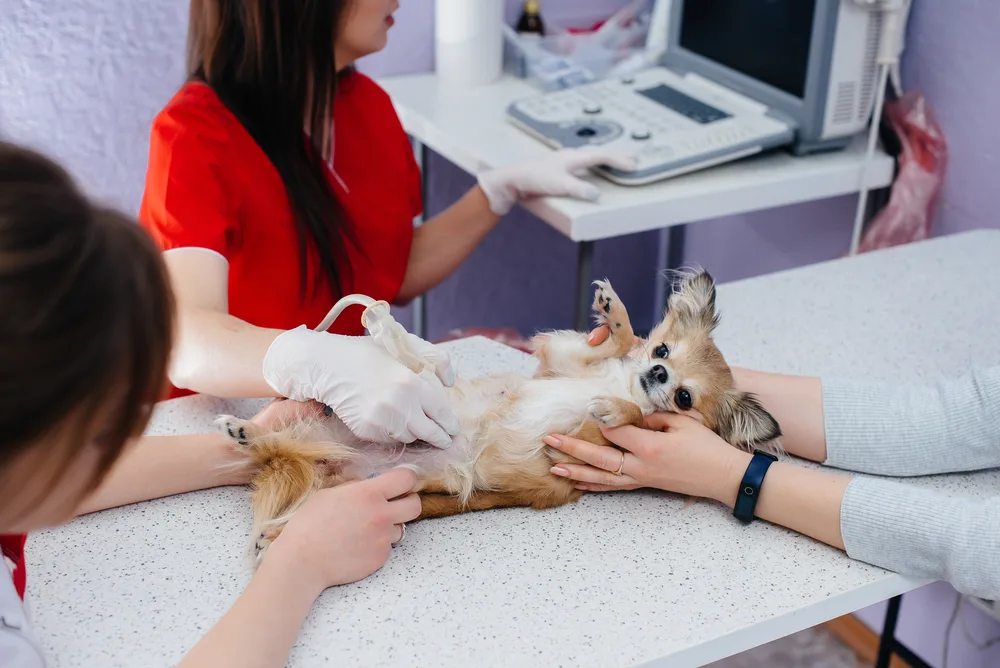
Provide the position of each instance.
(288, 471)
(288, 466)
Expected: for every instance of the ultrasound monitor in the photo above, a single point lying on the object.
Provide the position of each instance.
(813, 61)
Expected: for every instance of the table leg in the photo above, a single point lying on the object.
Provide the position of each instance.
(885, 646)
(889, 645)
(420, 302)
(584, 276)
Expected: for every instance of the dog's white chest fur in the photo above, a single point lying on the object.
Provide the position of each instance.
(561, 405)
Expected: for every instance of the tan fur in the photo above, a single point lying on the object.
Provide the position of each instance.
(503, 461)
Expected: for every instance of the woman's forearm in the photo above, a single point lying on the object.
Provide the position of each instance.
(214, 352)
(794, 497)
(441, 244)
(260, 628)
(221, 355)
(796, 402)
(158, 466)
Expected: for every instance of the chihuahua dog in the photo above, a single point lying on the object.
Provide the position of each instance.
(500, 460)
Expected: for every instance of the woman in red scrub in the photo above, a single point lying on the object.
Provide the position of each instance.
(280, 180)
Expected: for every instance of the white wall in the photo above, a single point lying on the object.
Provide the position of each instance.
(82, 79)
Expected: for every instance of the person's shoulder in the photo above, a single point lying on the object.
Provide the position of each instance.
(362, 89)
(195, 108)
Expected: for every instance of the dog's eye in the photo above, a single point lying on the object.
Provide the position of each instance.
(661, 351)
(683, 400)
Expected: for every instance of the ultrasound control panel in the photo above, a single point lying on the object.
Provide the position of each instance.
(671, 124)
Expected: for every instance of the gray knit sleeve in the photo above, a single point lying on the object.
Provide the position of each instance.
(910, 430)
(922, 533)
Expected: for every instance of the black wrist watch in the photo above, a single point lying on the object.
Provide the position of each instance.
(746, 497)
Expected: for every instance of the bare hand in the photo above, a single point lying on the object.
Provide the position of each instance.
(673, 453)
(344, 534)
(600, 335)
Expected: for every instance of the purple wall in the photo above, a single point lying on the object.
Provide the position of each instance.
(952, 54)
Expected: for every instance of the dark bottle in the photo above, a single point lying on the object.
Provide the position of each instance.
(531, 19)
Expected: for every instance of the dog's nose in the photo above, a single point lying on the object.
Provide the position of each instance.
(659, 374)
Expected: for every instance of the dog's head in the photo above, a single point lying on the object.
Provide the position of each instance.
(682, 371)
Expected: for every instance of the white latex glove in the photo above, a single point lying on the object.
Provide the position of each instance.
(377, 397)
(555, 175)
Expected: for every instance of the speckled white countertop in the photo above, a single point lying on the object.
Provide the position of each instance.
(615, 580)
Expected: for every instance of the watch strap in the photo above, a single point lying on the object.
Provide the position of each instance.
(746, 496)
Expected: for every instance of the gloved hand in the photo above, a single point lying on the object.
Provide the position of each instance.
(377, 397)
(554, 174)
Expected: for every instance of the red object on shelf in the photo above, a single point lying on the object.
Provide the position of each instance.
(505, 335)
(583, 31)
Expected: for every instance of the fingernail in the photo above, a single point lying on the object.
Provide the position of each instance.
(592, 336)
(450, 377)
(558, 470)
(552, 440)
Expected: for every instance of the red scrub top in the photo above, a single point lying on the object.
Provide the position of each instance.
(12, 552)
(210, 186)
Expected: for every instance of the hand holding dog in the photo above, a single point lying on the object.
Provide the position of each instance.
(600, 334)
(674, 453)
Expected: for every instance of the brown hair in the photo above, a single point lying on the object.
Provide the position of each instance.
(86, 324)
(271, 62)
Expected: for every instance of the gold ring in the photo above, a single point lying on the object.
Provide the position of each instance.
(402, 535)
(622, 465)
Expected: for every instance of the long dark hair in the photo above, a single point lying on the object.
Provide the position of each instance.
(87, 321)
(271, 62)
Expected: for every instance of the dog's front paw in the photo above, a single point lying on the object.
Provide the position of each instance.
(239, 430)
(608, 308)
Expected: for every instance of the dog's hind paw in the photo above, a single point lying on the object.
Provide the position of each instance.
(261, 543)
(241, 431)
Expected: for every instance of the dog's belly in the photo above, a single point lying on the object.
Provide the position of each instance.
(473, 402)
(509, 415)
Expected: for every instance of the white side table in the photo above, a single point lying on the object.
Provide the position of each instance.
(468, 127)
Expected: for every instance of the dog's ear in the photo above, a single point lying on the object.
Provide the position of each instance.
(693, 301)
(744, 423)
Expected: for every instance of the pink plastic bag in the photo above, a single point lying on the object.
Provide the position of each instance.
(922, 163)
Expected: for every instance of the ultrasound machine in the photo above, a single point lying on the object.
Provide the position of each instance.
(738, 77)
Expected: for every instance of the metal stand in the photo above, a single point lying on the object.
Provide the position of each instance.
(584, 275)
(890, 645)
(670, 258)
(420, 301)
